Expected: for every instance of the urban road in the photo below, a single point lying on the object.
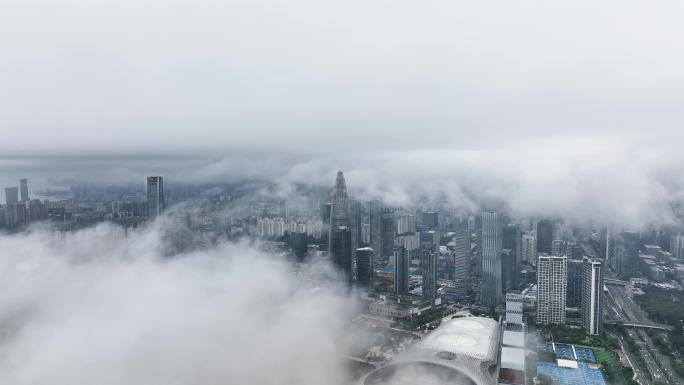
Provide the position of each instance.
(626, 310)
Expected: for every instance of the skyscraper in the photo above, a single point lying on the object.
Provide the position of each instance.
(490, 247)
(340, 251)
(387, 233)
(340, 233)
(544, 236)
(364, 267)
(552, 277)
(575, 282)
(677, 246)
(592, 296)
(626, 253)
(11, 195)
(340, 208)
(529, 248)
(461, 253)
(512, 240)
(401, 270)
(23, 186)
(429, 268)
(355, 225)
(376, 226)
(155, 196)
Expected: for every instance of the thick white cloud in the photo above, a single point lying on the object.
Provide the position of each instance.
(101, 307)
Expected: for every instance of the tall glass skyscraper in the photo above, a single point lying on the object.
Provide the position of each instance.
(401, 270)
(490, 247)
(155, 196)
(340, 232)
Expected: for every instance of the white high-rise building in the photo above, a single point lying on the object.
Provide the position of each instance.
(592, 295)
(155, 196)
(677, 246)
(529, 248)
(552, 280)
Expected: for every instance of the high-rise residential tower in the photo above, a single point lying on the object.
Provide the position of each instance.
(592, 296)
(552, 279)
(677, 246)
(490, 247)
(155, 196)
(23, 187)
(529, 248)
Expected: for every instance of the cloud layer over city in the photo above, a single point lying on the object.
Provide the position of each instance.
(566, 109)
(101, 307)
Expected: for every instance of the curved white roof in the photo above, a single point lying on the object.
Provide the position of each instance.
(475, 337)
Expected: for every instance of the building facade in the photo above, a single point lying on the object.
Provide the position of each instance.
(592, 296)
(552, 277)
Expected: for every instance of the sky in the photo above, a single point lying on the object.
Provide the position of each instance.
(479, 96)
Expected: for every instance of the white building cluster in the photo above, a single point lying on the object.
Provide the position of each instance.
(276, 227)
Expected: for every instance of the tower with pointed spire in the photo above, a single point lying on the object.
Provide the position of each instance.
(339, 234)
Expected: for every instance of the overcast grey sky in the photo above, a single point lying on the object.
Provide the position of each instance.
(130, 76)
(527, 100)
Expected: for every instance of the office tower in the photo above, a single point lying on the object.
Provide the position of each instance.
(11, 195)
(325, 213)
(340, 251)
(552, 279)
(401, 270)
(490, 243)
(430, 220)
(512, 240)
(507, 269)
(429, 268)
(340, 233)
(23, 186)
(155, 196)
(340, 208)
(298, 241)
(375, 208)
(592, 296)
(387, 233)
(574, 291)
(677, 246)
(514, 311)
(544, 236)
(355, 226)
(627, 253)
(364, 267)
(529, 248)
(461, 252)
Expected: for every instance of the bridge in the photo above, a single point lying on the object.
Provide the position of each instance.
(613, 281)
(639, 325)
